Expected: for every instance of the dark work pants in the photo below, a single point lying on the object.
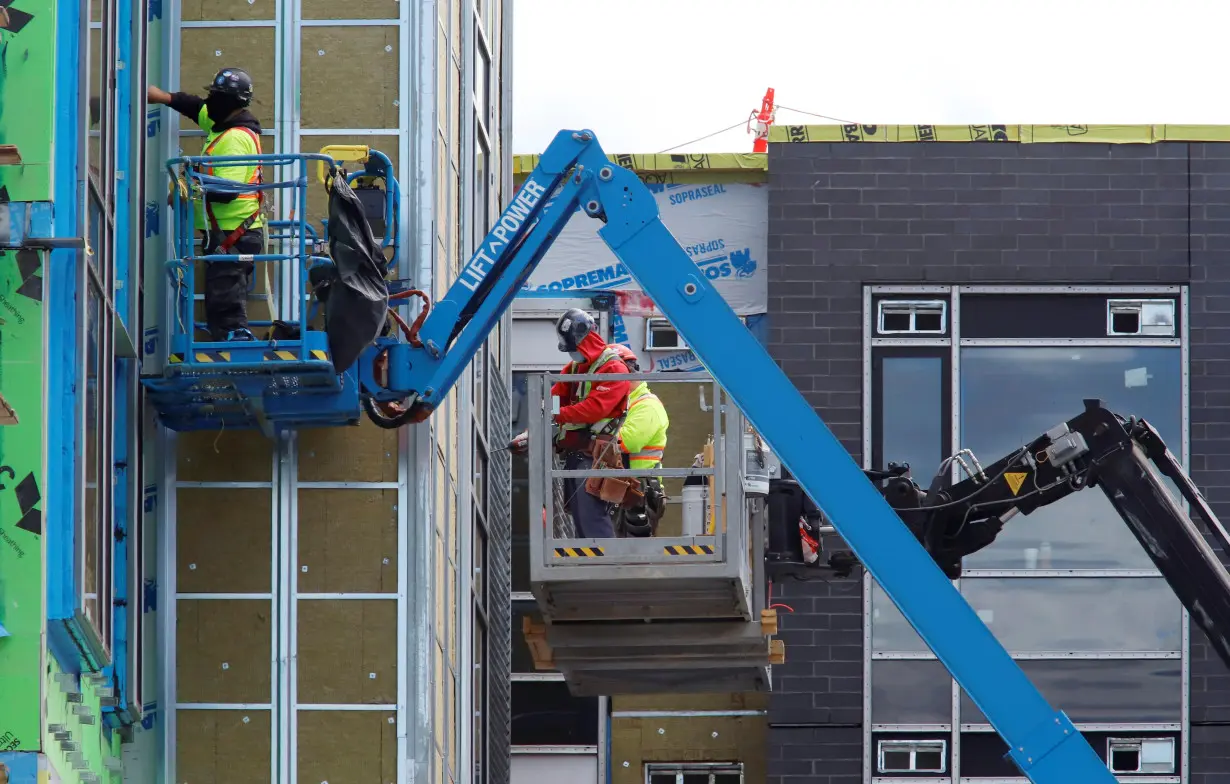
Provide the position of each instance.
(226, 283)
(590, 515)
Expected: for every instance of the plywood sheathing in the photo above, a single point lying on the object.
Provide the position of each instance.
(223, 746)
(347, 746)
(224, 540)
(223, 650)
(348, 541)
(203, 50)
(354, 83)
(227, 10)
(348, 651)
(351, 9)
(223, 456)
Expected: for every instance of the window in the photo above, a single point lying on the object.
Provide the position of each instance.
(910, 691)
(1140, 755)
(1068, 590)
(1154, 317)
(911, 756)
(480, 699)
(1103, 691)
(1041, 387)
(96, 540)
(694, 773)
(661, 335)
(912, 317)
(910, 419)
(544, 713)
(481, 205)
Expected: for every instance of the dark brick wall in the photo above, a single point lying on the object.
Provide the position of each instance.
(845, 215)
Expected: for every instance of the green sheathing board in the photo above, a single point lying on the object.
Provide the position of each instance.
(92, 743)
(27, 91)
(21, 480)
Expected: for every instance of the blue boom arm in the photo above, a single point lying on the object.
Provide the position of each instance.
(574, 172)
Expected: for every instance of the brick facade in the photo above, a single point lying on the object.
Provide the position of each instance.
(845, 215)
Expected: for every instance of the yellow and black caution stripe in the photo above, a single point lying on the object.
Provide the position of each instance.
(579, 552)
(276, 355)
(688, 549)
(282, 355)
(202, 356)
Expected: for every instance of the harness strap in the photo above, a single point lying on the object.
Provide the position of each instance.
(257, 178)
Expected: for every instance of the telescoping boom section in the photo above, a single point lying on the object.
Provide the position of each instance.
(408, 380)
(1125, 458)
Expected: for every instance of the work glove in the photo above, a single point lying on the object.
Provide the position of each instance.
(521, 444)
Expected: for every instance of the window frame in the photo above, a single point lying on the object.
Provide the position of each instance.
(876, 346)
(652, 770)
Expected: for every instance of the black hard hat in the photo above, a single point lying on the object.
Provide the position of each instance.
(234, 82)
(572, 328)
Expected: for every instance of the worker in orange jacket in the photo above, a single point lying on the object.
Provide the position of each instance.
(587, 410)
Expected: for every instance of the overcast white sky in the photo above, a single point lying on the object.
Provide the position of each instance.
(647, 75)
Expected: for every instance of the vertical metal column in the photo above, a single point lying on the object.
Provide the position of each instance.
(954, 326)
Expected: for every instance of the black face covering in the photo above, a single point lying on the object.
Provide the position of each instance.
(220, 106)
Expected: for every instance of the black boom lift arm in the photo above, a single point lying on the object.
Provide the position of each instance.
(1124, 457)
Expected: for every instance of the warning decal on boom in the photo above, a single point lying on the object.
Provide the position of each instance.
(1015, 480)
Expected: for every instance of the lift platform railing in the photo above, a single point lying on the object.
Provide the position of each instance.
(294, 237)
(717, 561)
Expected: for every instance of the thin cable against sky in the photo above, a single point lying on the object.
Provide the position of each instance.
(708, 136)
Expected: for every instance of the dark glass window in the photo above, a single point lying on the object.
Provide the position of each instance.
(1010, 396)
(911, 411)
(1103, 691)
(910, 692)
(1078, 615)
(544, 713)
(890, 631)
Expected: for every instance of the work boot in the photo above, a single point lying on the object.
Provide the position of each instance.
(239, 335)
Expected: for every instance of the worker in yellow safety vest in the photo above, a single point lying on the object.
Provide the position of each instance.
(230, 224)
(642, 438)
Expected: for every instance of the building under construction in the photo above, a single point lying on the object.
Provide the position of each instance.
(227, 586)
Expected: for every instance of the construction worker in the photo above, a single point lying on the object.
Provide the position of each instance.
(587, 411)
(230, 224)
(642, 439)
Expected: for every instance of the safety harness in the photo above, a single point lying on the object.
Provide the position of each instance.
(257, 178)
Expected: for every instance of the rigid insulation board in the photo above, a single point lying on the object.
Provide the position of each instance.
(353, 72)
(21, 519)
(205, 50)
(637, 741)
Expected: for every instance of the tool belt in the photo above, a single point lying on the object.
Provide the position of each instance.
(622, 490)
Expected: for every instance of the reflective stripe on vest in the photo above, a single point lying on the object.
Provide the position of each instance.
(257, 172)
(651, 454)
(608, 355)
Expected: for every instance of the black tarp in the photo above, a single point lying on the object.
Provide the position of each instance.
(355, 295)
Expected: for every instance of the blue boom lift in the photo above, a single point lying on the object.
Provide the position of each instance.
(403, 381)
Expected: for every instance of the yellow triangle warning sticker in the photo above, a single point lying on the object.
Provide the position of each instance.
(1015, 480)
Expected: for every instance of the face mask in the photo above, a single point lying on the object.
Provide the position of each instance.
(577, 356)
(220, 106)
